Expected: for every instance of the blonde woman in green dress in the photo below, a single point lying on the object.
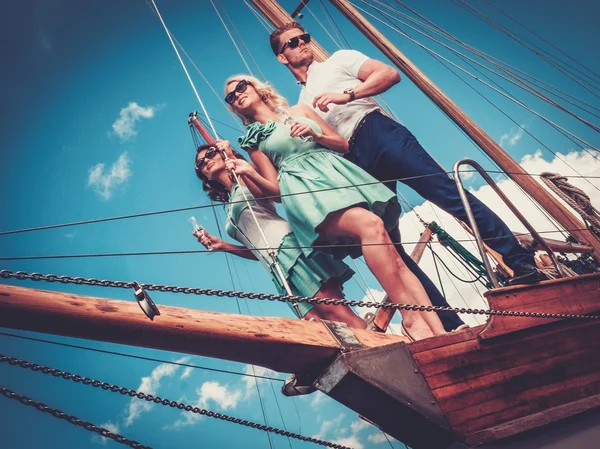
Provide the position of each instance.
(332, 205)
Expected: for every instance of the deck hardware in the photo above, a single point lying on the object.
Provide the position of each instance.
(144, 301)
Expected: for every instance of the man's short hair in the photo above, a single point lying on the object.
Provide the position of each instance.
(274, 38)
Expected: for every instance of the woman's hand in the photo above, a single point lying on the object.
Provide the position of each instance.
(304, 130)
(224, 146)
(210, 242)
(240, 167)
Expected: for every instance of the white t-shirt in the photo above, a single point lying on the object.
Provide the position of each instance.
(336, 73)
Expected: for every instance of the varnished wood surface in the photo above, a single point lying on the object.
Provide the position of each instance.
(574, 295)
(506, 383)
(285, 345)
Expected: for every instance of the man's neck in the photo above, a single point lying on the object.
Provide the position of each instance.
(300, 73)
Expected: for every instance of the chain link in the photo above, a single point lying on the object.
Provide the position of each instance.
(21, 275)
(71, 418)
(139, 395)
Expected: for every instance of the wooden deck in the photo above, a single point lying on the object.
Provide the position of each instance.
(515, 374)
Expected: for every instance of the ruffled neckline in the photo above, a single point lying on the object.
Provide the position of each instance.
(256, 133)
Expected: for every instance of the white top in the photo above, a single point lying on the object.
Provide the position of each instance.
(336, 73)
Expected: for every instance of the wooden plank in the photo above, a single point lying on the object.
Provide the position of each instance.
(444, 341)
(281, 344)
(490, 360)
(512, 381)
(533, 401)
(529, 422)
(577, 295)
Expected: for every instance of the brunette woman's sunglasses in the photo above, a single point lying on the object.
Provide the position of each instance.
(295, 41)
(239, 88)
(210, 153)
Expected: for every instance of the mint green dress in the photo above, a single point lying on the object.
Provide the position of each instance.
(304, 276)
(320, 182)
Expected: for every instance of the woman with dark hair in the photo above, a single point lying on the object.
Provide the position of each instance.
(330, 202)
(321, 276)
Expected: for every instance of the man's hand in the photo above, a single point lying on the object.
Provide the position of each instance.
(322, 100)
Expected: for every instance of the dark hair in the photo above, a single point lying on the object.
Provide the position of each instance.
(275, 35)
(214, 189)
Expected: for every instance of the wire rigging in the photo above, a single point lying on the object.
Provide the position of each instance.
(137, 357)
(578, 80)
(518, 81)
(510, 97)
(539, 37)
(436, 29)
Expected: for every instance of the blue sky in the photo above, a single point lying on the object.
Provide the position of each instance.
(96, 106)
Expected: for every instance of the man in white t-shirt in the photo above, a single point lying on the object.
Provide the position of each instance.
(340, 90)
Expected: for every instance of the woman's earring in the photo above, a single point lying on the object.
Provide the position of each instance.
(264, 98)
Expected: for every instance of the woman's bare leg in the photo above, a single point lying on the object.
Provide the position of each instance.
(387, 266)
(342, 314)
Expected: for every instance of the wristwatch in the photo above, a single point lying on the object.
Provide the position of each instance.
(350, 92)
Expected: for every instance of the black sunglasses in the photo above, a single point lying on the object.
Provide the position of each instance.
(239, 88)
(295, 41)
(210, 153)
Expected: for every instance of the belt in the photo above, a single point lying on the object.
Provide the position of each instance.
(357, 129)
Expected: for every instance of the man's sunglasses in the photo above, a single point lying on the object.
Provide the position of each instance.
(295, 41)
(210, 153)
(239, 88)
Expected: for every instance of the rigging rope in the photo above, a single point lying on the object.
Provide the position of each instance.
(165, 253)
(574, 197)
(72, 419)
(524, 85)
(138, 357)
(232, 41)
(150, 398)
(494, 24)
(184, 68)
(540, 37)
(510, 97)
(37, 277)
(436, 29)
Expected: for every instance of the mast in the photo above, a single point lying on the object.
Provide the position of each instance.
(277, 15)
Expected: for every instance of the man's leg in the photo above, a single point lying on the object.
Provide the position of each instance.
(404, 157)
(450, 320)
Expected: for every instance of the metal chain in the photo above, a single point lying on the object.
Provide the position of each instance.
(71, 419)
(21, 275)
(148, 397)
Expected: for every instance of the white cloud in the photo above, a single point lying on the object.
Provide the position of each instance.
(187, 372)
(124, 126)
(330, 426)
(150, 385)
(466, 172)
(104, 182)
(513, 136)
(114, 428)
(351, 441)
(70, 235)
(250, 382)
(359, 425)
(460, 294)
(379, 438)
(210, 393)
(317, 400)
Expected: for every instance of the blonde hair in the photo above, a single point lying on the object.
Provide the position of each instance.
(267, 92)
